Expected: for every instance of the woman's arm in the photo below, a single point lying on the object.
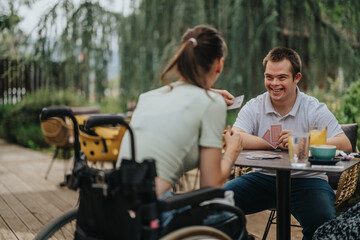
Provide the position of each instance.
(251, 141)
(215, 168)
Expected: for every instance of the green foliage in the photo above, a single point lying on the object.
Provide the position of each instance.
(20, 123)
(231, 116)
(350, 108)
(111, 105)
(345, 105)
(13, 42)
(331, 94)
(82, 47)
(325, 33)
(8, 22)
(251, 29)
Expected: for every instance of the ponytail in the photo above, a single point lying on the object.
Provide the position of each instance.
(199, 48)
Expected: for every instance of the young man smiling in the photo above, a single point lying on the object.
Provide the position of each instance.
(312, 199)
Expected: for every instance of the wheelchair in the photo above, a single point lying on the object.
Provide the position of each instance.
(122, 203)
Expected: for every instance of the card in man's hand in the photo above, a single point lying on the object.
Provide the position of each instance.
(237, 103)
(272, 136)
(275, 132)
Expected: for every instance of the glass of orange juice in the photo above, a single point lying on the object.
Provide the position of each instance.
(318, 135)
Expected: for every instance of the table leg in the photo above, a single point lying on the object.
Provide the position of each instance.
(283, 186)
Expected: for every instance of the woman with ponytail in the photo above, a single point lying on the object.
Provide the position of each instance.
(180, 125)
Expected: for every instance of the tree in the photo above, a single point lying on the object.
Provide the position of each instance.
(326, 34)
(318, 30)
(83, 47)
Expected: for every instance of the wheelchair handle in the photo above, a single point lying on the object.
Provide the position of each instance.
(112, 119)
(94, 121)
(47, 113)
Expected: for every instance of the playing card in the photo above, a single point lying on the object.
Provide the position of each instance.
(237, 102)
(267, 138)
(275, 133)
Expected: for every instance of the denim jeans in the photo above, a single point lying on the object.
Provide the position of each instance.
(312, 199)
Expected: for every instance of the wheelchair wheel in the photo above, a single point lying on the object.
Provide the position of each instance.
(62, 227)
(195, 233)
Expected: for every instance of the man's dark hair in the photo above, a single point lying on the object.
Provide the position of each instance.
(278, 54)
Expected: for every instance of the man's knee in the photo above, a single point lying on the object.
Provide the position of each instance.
(250, 195)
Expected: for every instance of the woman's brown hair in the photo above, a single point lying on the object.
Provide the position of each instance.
(199, 48)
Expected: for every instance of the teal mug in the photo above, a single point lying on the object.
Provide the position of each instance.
(323, 152)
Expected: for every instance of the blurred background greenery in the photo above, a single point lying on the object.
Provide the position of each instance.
(84, 53)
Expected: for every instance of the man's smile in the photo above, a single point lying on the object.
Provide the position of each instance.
(276, 91)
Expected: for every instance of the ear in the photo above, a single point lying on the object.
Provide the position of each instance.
(220, 64)
(297, 78)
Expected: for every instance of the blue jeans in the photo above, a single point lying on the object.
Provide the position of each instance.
(312, 199)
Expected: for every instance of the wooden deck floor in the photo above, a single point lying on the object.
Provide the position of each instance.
(28, 201)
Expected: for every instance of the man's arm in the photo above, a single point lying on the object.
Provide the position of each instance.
(341, 142)
(251, 141)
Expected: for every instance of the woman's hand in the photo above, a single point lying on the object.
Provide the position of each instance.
(228, 97)
(233, 142)
(215, 167)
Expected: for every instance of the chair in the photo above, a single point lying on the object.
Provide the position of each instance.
(344, 185)
(351, 131)
(189, 181)
(59, 133)
(100, 143)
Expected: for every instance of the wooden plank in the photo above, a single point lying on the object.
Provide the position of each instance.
(13, 222)
(40, 207)
(30, 175)
(62, 198)
(5, 231)
(20, 210)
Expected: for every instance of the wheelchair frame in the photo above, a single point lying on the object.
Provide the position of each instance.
(64, 224)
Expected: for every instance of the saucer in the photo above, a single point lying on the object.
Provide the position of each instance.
(315, 161)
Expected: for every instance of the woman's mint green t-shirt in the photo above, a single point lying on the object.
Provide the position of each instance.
(171, 125)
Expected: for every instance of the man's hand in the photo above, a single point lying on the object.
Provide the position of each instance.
(228, 97)
(283, 142)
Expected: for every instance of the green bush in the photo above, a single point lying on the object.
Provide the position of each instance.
(231, 116)
(344, 105)
(20, 122)
(331, 95)
(110, 105)
(350, 108)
